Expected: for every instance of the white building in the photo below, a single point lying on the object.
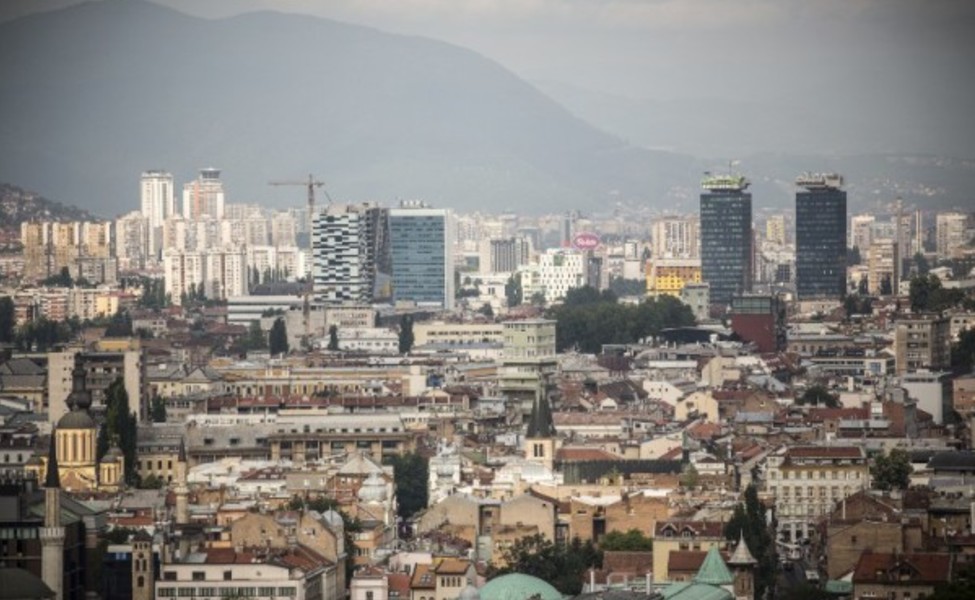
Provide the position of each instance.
(951, 232)
(132, 240)
(182, 271)
(340, 261)
(676, 237)
(158, 201)
(220, 273)
(204, 195)
(557, 272)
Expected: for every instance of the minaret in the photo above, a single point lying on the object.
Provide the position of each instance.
(540, 437)
(742, 564)
(52, 534)
(182, 490)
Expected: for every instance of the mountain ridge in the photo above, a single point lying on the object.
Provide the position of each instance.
(270, 95)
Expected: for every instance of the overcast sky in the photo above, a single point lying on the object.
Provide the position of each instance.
(901, 64)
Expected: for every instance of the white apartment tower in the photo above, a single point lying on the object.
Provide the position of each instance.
(204, 195)
(950, 232)
(676, 237)
(158, 201)
(340, 269)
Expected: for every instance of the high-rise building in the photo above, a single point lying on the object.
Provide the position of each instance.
(204, 195)
(420, 249)
(820, 237)
(132, 240)
(861, 230)
(676, 237)
(726, 237)
(775, 231)
(950, 232)
(339, 247)
(504, 255)
(158, 201)
(883, 277)
(922, 341)
(351, 253)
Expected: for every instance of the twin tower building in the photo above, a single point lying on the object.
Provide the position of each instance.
(727, 242)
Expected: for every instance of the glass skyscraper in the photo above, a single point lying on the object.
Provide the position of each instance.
(726, 237)
(420, 248)
(820, 237)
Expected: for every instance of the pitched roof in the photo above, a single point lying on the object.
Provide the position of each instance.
(713, 571)
(540, 423)
(742, 555)
(918, 568)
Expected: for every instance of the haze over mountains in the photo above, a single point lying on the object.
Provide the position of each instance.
(93, 94)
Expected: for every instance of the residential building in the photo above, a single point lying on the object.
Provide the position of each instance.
(528, 358)
(760, 320)
(558, 271)
(671, 536)
(668, 276)
(922, 341)
(675, 237)
(896, 576)
(951, 232)
(806, 482)
(204, 196)
(158, 201)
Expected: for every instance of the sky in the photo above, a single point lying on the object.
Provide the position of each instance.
(876, 75)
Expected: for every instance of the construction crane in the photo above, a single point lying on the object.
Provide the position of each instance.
(311, 184)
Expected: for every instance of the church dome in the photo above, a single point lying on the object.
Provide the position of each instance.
(76, 419)
(518, 586)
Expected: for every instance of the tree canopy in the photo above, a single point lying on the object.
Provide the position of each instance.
(749, 521)
(411, 474)
(563, 566)
(405, 334)
(632, 541)
(333, 338)
(120, 427)
(928, 295)
(588, 319)
(893, 471)
(278, 337)
(818, 395)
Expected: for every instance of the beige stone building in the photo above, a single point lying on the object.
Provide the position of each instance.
(922, 341)
(806, 482)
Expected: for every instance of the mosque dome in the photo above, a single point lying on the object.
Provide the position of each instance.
(373, 489)
(518, 586)
(469, 593)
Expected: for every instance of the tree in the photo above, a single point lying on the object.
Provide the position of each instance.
(853, 256)
(588, 320)
(120, 427)
(886, 287)
(512, 290)
(158, 410)
(628, 287)
(7, 319)
(689, 476)
(818, 395)
(486, 310)
(410, 474)
(963, 353)
(120, 325)
(537, 299)
(632, 541)
(278, 338)
(961, 586)
(927, 294)
(333, 338)
(152, 482)
(62, 279)
(893, 471)
(563, 566)
(405, 334)
(748, 521)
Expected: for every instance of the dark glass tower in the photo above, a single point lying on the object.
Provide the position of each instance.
(726, 237)
(820, 237)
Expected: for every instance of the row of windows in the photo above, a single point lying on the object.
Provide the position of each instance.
(226, 592)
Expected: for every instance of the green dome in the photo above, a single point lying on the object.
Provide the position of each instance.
(516, 586)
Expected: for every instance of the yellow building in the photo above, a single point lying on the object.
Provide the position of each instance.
(75, 440)
(668, 276)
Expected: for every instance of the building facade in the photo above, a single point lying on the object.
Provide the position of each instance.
(726, 237)
(421, 256)
(820, 237)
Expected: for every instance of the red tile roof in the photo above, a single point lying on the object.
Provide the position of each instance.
(902, 569)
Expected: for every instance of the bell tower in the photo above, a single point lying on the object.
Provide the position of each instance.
(540, 437)
(742, 565)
